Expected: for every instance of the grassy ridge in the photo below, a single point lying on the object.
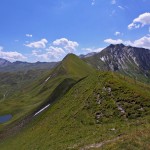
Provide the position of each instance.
(33, 95)
(88, 107)
(86, 114)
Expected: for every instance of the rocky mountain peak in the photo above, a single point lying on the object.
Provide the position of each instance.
(116, 45)
(125, 59)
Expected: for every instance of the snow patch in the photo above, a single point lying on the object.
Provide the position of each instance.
(47, 79)
(134, 58)
(103, 59)
(41, 110)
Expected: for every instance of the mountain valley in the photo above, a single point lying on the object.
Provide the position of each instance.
(96, 102)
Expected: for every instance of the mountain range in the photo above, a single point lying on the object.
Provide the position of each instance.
(4, 62)
(131, 61)
(7, 66)
(91, 102)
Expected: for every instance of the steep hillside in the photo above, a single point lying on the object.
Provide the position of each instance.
(131, 61)
(12, 82)
(43, 90)
(100, 108)
(74, 66)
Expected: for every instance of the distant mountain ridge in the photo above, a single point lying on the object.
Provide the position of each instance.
(4, 62)
(87, 55)
(7, 66)
(128, 60)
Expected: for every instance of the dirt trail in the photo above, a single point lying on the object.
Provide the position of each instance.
(99, 145)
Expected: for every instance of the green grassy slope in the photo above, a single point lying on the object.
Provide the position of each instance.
(47, 88)
(11, 82)
(74, 67)
(100, 107)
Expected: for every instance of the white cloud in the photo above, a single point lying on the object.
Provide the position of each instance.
(56, 51)
(111, 41)
(133, 25)
(92, 49)
(50, 54)
(39, 55)
(143, 42)
(128, 43)
(36, 52)
(113, 2)
(39, 44)
(11, 55)
(121, 7)
(29, 35)
(142, 20)
(66, 44)
(42, 57)
(117, 33)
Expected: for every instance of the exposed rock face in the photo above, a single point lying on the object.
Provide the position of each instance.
(126, 59)
(87, 55)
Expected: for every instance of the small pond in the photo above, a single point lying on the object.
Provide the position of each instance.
(5, 118)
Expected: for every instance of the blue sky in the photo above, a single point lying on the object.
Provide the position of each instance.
(46, 30)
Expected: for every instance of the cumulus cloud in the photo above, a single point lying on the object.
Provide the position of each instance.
(40, 55)
(117, 33)
(92, 49)
(11, 55)
(50, 54)
(143, 42)
(29, 35)
(57, 50)
(111, 41)
(66, 44)
(39, 44)
(142, 20)
(36, 52)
